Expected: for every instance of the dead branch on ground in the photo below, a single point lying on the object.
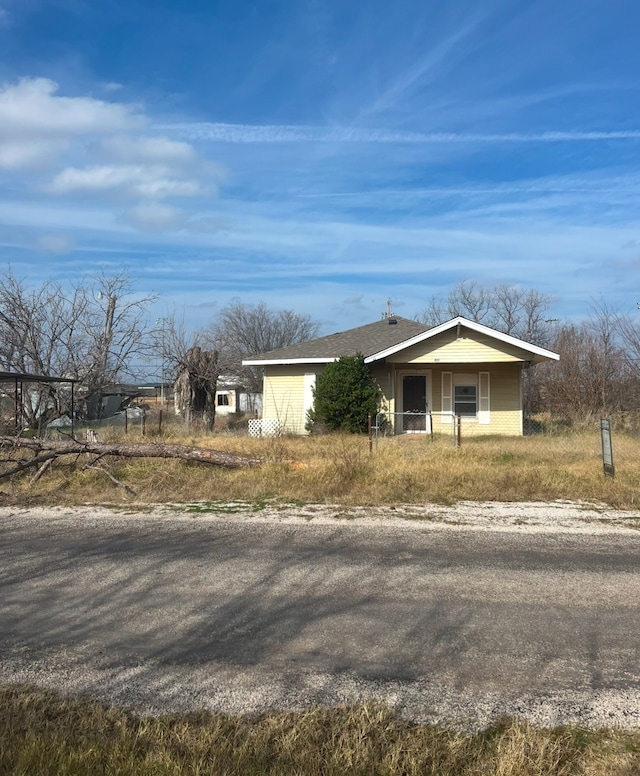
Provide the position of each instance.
(108, 474)
(45, 450)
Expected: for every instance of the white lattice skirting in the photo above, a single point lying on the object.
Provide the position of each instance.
(265, 427)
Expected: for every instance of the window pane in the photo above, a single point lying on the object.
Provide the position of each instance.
(465, 400)
(465, 393)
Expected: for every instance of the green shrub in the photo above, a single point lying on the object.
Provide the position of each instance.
(344, 396)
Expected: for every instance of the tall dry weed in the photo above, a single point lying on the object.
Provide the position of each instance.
(42, 733)
(340, 469)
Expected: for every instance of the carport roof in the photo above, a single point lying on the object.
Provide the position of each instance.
(26, 377)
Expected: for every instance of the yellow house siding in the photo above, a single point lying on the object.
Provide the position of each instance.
(284, 395)
(471, 348)
(384, 375)
(506, 412)
(284, 389)
(504, 399)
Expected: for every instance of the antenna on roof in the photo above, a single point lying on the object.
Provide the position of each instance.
(388, 313)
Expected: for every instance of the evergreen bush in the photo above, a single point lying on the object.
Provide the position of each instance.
(344, 395)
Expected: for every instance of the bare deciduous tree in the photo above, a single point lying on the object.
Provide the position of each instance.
(470, 300)
(435, 313)
(90, 332)
(593, 375)
(38, 330)
(242, 330)
(195, 386)
(628, 327)
(509, 309)
(537, 326)
(116, 332)
(506, 308)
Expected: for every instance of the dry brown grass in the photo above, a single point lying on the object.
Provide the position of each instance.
(41, 733)
(339, 469)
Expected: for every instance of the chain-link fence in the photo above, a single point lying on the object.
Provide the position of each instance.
(131, 419)
(559, 422)
(426, 423)
(545, 424)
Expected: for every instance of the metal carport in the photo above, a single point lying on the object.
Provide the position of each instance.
(20, 378)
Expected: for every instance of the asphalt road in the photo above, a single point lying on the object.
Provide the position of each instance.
(444, 623)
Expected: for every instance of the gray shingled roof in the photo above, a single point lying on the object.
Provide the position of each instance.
(367, 340)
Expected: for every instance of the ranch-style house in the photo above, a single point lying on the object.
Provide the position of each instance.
(457, 368)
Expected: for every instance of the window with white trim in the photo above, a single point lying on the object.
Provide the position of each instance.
(467, 395)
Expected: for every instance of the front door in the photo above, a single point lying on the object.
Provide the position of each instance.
(414, 400)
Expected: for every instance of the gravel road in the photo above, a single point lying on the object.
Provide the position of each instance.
(450, 614)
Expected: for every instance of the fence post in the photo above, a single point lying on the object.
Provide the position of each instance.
(607, 451)
(458, 429)
(160, 423)
(370, 432)
(378, 415)
(126, 422)
(143, 423)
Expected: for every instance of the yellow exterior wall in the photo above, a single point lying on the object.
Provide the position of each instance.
(471, 348)
(284, 395)
(384, 375)
(284, 391)
(504, 399)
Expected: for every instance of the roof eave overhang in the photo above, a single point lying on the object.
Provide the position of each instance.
(550, 357)
(286, 361)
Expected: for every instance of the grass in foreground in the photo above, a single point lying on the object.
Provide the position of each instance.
(339, 469)
(41, 733)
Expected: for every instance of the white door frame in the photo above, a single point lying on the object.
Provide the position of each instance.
(413, 372)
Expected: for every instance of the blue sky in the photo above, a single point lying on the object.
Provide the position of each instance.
(323, 156)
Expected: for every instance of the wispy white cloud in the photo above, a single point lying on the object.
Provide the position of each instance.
(415, 75)
(152, 181)
(56, 243)
(153, 149)
(616, 186)
(154, 217)
(270, 133)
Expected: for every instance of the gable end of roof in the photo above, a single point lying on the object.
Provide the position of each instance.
(535, 350)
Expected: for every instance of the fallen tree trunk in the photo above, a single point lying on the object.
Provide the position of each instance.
(45, 449)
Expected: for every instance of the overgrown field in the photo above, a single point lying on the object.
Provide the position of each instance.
(43, 734)
(339, 468)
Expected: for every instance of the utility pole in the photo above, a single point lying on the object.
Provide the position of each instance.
(107, 334)
(162, 322)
